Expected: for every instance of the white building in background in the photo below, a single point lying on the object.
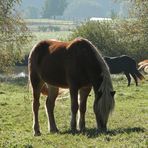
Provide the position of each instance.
(99, 19)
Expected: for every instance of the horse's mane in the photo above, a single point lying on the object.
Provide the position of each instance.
(107, 83)
(107, 102)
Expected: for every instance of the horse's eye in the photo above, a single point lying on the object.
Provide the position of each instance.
(112, 93)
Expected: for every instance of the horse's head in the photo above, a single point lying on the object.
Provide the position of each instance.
(103, 107)
(104, 102)
(108, 94)
(105, 95)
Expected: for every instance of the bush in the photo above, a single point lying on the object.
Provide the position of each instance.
(14, 34)
(113, 38)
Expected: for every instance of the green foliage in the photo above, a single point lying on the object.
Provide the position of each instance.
(114, 38)
(13, 34)
(138, 30)
(102, 35)
(120, 36)
(131, 35)
(127, 124)
(54, 8)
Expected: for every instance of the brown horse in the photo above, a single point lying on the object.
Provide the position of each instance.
(76, 65)
(143, 65)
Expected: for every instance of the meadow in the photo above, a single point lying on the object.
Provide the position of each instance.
(42, 29)
(38, 36)
(127, 125)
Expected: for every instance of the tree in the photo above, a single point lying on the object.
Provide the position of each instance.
(83, 9)
(120, 36)
(139, 10)
(13, 34)
(136, 31)
(54, 8)
(32, 12)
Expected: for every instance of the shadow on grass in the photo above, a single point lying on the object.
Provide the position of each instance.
(93, 133)
(16, 81)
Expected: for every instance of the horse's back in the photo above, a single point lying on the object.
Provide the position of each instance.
(56, 61)
(120, 64)
(47, 60)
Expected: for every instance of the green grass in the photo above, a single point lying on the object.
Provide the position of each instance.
(39, 36)
(127, 125)
(51, 35)
(50, 21)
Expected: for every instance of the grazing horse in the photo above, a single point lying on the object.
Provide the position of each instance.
(143, 65)
(124, 64)
(76, 65)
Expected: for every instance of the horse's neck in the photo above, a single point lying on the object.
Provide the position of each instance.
(94, 74)
(97, 83)
(106, 83)
(102, 83)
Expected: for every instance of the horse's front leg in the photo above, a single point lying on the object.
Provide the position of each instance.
(35, 107)
(84, 92)
(128, 78)
(135, 78)
(50, 104)
(74, 107)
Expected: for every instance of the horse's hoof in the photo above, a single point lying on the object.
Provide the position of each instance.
(74, 131)
(54, 131)
(102, 130)
(37, 133)
(82, 130)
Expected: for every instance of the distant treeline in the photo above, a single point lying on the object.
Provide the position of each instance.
(72, 8)
(51, 25)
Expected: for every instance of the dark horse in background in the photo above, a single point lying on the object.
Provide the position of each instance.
(76, 65)
(124, 64)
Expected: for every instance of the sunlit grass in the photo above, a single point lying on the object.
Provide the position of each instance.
(127, 125)
(39, 36)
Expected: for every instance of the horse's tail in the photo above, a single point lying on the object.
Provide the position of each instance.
(44, 90)
(139, 75)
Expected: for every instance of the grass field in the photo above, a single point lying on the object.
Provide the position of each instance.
(51, 24)
(39, 36)
(51, 35)
(128, 124)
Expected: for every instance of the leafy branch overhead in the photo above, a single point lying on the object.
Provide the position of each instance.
(14, 34)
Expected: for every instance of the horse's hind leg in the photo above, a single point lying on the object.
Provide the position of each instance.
(50, 103)
(84, 92)
(128, 78)
(36, 86)
(135, 78)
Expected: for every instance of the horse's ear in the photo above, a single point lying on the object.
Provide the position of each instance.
(113, 93)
